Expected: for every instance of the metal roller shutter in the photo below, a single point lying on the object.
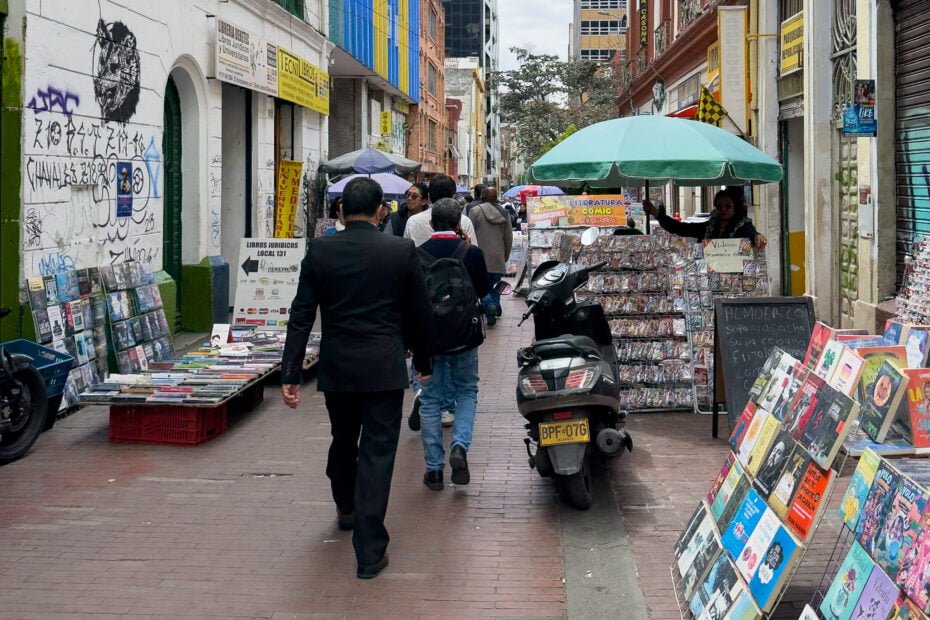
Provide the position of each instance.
(912, 125)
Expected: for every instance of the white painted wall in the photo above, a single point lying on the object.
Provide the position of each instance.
(73, 136)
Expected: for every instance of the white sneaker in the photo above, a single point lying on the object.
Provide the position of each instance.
(448, 418)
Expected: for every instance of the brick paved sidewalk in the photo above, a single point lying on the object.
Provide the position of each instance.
(243, 526)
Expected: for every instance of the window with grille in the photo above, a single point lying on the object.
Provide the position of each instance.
(602, 27)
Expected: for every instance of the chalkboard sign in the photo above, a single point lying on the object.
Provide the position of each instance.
(745, 332)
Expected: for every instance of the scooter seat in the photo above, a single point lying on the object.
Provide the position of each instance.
(567, 344)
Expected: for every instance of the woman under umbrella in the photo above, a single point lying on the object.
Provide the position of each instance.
(728, 220)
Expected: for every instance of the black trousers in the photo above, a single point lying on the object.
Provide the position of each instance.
(365, 429)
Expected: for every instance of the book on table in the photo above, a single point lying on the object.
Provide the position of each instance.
(809, 500)
(901, 525)
(858, 488)
(882, 386)
(848, 583)
(877, 505)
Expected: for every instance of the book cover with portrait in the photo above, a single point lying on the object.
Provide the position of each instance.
(877, 505)
(881, 392)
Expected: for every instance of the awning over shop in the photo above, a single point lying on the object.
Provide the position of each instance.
(686, 112)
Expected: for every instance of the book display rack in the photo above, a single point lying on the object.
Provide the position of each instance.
(702, 286)
(914, 299)
(749, 535)
(138, 325)
(69, 313)
(880, 564)
(642, 294)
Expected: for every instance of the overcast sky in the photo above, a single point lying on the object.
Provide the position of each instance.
(540, 26)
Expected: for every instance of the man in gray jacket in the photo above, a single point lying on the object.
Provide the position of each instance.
(494, 235)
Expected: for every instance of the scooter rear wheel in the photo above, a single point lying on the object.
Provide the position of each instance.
(576, 490)
(16, 444)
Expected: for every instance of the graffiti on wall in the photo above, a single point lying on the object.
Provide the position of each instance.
(52, 99)
(117, 71)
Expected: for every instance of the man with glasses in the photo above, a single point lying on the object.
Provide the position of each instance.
(419, 227)
(417, 200)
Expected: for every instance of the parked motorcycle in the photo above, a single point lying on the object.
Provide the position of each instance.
(567, 386)
(23, 403)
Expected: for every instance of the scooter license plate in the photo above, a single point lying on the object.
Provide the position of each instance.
(563, 431)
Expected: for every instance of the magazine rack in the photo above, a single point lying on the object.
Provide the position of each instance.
(840, 548)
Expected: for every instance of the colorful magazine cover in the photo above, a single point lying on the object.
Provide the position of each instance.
(796, 379)
(917, 344)
(781, 554)
(901, 526)
(741, 526)
(880, 396)
(914, 570)
(781, 378)
(754, 550)
(828, 359)
(877, 506)
(742, 425)
(721, 476)
(752, 435)
(858, 488)
(765, 374)
(918, 405)
(821, 334)
(809, 499)
(802, 407)
(735, 479)
(767, 435)
(905, 609)
(780, 498)
(718, 589)
(774, 464)
(831, 420)
(894, 332)
(840, 600)
(877, 598)
(846, 376)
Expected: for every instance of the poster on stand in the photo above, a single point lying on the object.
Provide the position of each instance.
(598, 210)
(267, 274)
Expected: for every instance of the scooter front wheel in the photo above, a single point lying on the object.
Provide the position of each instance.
(576, 489)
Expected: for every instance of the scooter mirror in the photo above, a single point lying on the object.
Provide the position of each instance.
(590, 235)
(503, 288)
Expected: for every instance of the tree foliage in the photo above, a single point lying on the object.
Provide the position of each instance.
(547, 100)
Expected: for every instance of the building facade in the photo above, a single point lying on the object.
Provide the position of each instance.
(375, 71)
(598, 31)
(472, 31)
(111, 89)
(427, 121)
(466, 97)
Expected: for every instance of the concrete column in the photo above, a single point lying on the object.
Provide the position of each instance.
(765, 106)
(820, 218)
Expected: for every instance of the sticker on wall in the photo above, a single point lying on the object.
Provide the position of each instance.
(123, 189)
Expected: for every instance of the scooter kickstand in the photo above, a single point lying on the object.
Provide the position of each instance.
(532, 459)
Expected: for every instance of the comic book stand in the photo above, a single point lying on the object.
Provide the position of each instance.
(684, 606)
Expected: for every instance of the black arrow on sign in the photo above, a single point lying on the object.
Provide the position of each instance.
(250, 266)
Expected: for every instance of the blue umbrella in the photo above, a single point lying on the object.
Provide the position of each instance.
(513, 191)
(369, 161)
(461, 189)
(393, 185)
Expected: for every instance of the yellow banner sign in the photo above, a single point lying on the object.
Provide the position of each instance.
(302, 83)
(713, 61)
(792, 44)
(601, 210)
(386, 123)
(286, 203)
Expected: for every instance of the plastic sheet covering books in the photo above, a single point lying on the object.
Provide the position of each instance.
(69, 312)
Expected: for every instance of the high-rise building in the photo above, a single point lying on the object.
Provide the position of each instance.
(472, 31)
(599, 32)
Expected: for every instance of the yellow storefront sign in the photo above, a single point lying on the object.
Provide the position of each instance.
(302, 83)
(386, 123)
(792, 44)
(286, 202)
(597, 210)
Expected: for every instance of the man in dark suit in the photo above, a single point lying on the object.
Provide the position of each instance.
(374, 306)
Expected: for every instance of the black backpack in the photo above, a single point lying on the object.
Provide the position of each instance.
(459, 325)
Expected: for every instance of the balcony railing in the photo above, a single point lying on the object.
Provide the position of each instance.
(663, 37)
(641, 63)
(688, 11)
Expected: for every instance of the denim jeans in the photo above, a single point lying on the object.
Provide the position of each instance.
(492, 301)
(455, 377)
(448, 403)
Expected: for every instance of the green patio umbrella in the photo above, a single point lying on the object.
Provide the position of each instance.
(645, 150)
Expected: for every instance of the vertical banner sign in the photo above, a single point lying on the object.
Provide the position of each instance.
(267, 274)
(286, 203)
(792, 45)
(302, 83)
(859, 116)
(386, 123)
(244, 59)
(123, 189)
(644, 22)
(731, 26)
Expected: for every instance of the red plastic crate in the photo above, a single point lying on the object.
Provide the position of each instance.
(168, 424)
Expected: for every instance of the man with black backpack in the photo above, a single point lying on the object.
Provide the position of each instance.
(456, 278)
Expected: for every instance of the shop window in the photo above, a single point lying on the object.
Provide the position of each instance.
(295, 7)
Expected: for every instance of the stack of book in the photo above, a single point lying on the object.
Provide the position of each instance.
(886, 572)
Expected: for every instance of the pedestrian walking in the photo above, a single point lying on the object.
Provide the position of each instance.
(418, 226)
(456, 278)
(475, 200)
(373, 302)
(494, 233)
(417, 201)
